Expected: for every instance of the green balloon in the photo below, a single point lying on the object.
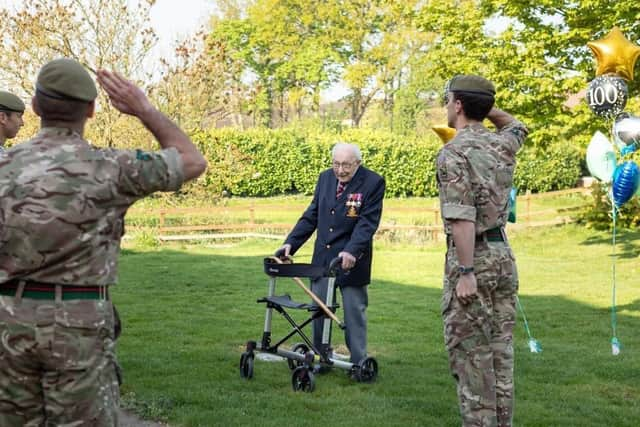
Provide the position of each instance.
(601, 157)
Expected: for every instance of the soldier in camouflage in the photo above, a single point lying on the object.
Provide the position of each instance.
(62, 206)
(475, 175)
(11, 110)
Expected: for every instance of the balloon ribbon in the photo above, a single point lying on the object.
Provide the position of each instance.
(615, 343)
(534, 345)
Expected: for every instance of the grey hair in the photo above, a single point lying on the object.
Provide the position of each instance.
(345, 145)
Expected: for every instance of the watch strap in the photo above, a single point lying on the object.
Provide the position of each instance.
(465, 270)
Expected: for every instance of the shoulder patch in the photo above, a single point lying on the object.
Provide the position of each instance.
(142, 155)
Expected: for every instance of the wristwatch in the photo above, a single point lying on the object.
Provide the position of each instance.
(465, 270)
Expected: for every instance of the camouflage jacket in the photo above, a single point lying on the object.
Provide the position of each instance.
(475, 174)
(63, 201)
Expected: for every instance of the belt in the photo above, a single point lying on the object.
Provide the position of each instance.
(492, 235)
(41, 290)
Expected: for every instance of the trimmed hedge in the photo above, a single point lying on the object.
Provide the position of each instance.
(262, 162)
(556, 168)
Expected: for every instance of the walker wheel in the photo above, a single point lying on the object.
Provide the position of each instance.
(367, 370)
(300, 348)
(246, 365)
(302, 379)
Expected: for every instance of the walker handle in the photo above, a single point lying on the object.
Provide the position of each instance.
(280, 255)
(334, 265)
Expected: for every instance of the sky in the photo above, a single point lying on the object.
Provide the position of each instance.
(171, 19)
(177, 20)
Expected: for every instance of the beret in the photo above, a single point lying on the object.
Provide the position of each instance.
(471, 84)
(10, 102)
(66, 79)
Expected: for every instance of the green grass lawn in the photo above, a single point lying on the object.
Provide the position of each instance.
(287, 210)
(188, 312)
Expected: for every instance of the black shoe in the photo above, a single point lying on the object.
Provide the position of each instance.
(354, 373)
(321, 369)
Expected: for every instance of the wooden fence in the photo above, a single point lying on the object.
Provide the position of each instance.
(252, 227)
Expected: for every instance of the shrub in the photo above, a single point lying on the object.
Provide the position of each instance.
(598, 214)
(554, 168)
(263, 162)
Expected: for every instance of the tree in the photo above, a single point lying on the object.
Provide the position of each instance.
(285, 51)
(97, 33)
(537, 62)
(201, 86)
(561, 30)
(303, 41)
(239, 43)
(300, 47)
(375, 39)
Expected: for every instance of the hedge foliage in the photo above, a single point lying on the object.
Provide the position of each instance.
(599, 215)
(263, 162)
(557, 167)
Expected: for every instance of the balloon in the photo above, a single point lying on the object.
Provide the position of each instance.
(512, 205)
(445, 133)
(601, 157)
(626, 133)
(625, 182)
(615, 54)
(607, 95)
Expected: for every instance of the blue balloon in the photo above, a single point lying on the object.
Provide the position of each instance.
(626, 178)
(627, 150)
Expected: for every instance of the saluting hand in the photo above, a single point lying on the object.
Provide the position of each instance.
(124, 95)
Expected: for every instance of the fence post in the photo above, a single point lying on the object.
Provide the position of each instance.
(163, 213)
(252, 216)
(528, 198)
(435, 234)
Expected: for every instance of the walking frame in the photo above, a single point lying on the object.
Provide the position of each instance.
(304, 359)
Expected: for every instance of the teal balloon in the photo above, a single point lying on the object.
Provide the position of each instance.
(512, 205)
(601, 157)
(625, 182)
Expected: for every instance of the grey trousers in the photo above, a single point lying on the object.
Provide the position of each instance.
(355, 300)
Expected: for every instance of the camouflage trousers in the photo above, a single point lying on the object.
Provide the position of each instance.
(57, 363)
(479, 336)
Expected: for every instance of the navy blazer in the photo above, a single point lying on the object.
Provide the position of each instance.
(344, 224)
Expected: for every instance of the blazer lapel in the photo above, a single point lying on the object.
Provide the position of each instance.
(332, 192)
(355, 182)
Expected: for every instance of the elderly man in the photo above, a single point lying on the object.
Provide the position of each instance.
(11, 110)
(345, 212)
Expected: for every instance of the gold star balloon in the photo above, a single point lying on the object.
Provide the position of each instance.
(615, 54)
(444, 132)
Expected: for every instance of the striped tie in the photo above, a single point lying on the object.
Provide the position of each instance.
(340, 189)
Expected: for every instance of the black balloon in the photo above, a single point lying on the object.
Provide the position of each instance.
(607, 95)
